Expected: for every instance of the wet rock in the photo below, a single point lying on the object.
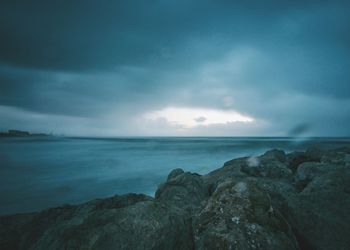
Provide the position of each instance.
(123, 222)
(269, 169)
(335, 157)
(295, 159)
(186, 191)
(174, 173)
(145, 225)
(240, 216)
(308, 171)
(269, 165)
(315, 153)
(319, 211)
(275, 154)
(231, 169)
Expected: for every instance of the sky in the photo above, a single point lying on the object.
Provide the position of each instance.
(175, 68)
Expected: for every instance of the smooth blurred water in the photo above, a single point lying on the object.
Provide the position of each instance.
(37, 173)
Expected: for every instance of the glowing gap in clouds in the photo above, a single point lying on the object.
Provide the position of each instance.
(192, 117)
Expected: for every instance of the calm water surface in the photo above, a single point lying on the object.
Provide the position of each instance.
(37, 173)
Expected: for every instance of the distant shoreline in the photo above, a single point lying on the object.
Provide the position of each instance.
(20, 133)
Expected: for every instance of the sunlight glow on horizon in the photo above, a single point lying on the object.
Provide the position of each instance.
(193, 117)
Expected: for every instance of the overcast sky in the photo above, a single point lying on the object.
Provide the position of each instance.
(161, 67)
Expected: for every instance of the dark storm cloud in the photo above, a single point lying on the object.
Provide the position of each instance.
(73, 93)
(272, 58)
(78, 35)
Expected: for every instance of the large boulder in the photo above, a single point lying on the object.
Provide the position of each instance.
(122, 222)
(239, 215)
(182, 190)
(295, 159)
(319, 213)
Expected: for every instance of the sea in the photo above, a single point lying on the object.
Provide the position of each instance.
(41, 172)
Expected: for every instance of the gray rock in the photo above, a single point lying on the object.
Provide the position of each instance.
(295, 159)
(308, 171)
(185, 191)
(240, 216)
(174, 173)
(269, 165)
(123, 222)
(269, 169)
(275, 154)
(319, 213)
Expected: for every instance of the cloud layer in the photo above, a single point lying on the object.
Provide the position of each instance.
(82, 68)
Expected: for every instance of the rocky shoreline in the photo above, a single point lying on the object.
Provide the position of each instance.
(299, 200)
